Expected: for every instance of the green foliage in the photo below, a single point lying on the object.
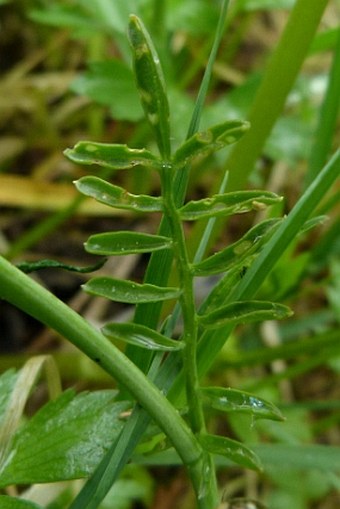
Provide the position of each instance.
(64, 440)
(84, 435)
(128, 291)
(104, 82)
(16, 503)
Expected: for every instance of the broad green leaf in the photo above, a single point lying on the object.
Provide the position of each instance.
(233, 400)
(228, 204)
(28, 267)
(64, 440)
(141, 336)
(245, 312)
(215, 138)
(239, 251)
(128, 291)
(233, 450)
(115, 196)
(114, 156)
(111, 83)
(17, 503)
(150, 82)
(16, 403)
(88, 19)
(122, 243)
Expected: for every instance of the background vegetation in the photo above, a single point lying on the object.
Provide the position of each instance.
(66, 76)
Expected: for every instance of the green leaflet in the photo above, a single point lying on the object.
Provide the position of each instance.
(122, 243)
(215, 138)
(232, 400)
(150, 82)
(239, 251)
(312, 223)
(65, 439)
(140, 335)
(244, 312)
(233, 450)
(7, 502)
(226, 284)
(28, 267)
(115, 196)
(128, 291)
(227, 204)
(114, 156)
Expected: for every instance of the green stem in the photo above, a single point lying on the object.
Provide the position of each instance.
(190, 325)
(187, 301)
(23, 292)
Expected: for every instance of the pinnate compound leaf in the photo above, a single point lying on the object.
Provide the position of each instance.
(122, 243)
(206, 142)
(238, 252)
(17, 503)
(244, 312)
(228, 204)
(150, 83)
(128, 291)
(117, 197)
(140, 335)
(64, 440)
(233, 400)
(114, 156)
(233, 450)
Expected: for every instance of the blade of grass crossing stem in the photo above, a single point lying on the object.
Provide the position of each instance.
(160, 263)
(278, 80)
(121, 451)
(327, 120)
(98, 485)
(211, 342)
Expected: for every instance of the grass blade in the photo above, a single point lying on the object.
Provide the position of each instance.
(279, 78)
(257, 273)
(327, 120)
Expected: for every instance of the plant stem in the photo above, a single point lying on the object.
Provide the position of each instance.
(190, 326)
(26, 294)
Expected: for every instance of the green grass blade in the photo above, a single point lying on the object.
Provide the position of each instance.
(111, 465)
(197, 113)
(120, 452)
(278, 80)
(327, 120)
(257, 273)
(289, 228)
